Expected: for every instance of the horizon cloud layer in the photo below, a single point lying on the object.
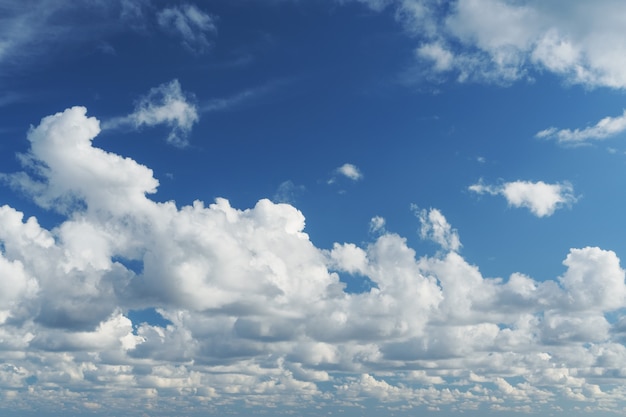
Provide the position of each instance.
(253, 307)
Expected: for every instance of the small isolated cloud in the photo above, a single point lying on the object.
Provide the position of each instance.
(350, 171)
(540, 198)
(436, 228)
(377, 224)
(165, 104)
(189, 23)
(604, 129)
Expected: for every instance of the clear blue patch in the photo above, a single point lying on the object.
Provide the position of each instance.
(149, 316)
(134, 265)
(356, 283)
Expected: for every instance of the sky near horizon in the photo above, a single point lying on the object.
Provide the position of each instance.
(325, 207)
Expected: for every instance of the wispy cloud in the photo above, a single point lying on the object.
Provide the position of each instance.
(165, 104)
(604, 129)
(33, 28)
(189, 23)
(540, 198)
(245, 96)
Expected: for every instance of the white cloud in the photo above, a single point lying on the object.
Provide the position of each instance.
(435, 227)
(541, 198)
(350, 171)
(442, 58)
(190, 23)
(605, 128)
(503, 41)
(165, 104)
(255, 309)
(377, 224)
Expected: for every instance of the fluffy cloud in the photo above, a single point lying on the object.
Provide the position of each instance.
(350, 171)
(251, 308)
(435, 227)
(189, 23)
(165, 104)
(540, 198)
(605, 128)
(503, 41)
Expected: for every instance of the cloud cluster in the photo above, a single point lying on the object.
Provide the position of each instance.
(540, 198)
(166, 104)
(502, 41)
(251, 308)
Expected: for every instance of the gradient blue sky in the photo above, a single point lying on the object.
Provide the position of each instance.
(359, 208)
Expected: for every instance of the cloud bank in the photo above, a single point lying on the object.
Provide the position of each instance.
(540, 198)
(253, 310)
(502, 41)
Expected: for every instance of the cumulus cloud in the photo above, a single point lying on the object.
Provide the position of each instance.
(504, 41)
(252, 308)
(166, 104)
(605, 128)
(541, 198)
(189, 23)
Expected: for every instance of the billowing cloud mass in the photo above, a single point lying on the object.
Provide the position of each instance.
(166, 104)
(540, 198)
(503, 40)
(605, 128)
(189, 23)
(253, 314)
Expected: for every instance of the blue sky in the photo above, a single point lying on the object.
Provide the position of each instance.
(355, 207)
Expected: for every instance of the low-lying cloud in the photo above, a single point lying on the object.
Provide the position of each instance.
(253, 309)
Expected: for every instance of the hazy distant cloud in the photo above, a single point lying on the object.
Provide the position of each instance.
(605, 128)
(287, 192)
(165, 104)
(254, 307)
(35, 27)
(540, 198)
(189, 23)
